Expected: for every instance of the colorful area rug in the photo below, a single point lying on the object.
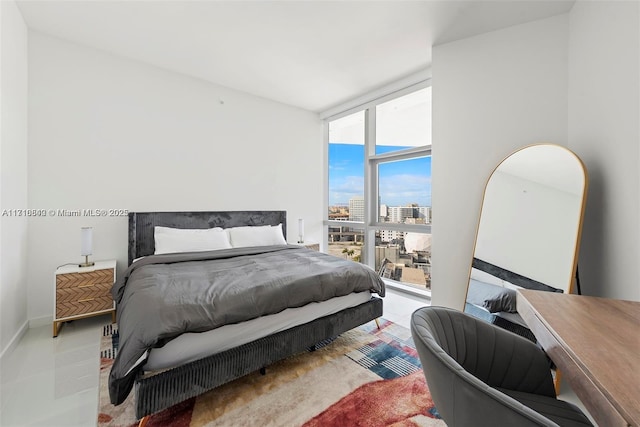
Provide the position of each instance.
(366, 377)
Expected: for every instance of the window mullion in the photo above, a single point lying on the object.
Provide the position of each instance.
(325, 185)
(404, 154)
(371, 187)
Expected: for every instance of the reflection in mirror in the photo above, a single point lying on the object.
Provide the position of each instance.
(529, 231)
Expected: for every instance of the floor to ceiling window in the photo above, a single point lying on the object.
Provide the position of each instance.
(379, 185)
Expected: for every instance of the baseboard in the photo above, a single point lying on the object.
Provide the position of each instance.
(41, 321)
(32, 323)
(14, 342)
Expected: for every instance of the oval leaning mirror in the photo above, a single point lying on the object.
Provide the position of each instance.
(529, 232)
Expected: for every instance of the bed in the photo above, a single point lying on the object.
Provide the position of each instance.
(186, 363)
(492, 296)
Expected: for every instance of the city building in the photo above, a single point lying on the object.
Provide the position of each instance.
(356, 208)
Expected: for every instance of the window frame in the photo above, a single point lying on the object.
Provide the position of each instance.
(371, 222)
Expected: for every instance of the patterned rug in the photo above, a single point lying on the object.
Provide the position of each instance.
(366, 377)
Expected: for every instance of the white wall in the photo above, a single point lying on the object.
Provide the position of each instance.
(604, 130)
(13, 169)
(492, 94)
(108, 132)
(573, 80)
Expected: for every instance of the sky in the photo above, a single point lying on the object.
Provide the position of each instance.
(400, 183)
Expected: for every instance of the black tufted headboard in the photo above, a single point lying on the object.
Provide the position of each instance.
(141, 224)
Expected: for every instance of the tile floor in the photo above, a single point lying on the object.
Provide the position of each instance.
(54, 382)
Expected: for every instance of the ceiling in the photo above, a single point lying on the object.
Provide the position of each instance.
(309, 54)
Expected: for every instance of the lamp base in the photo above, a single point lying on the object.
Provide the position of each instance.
(86, 262)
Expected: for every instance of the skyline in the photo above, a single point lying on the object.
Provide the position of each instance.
(400, 183)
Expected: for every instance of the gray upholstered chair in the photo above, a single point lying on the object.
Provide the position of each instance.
(479, 374)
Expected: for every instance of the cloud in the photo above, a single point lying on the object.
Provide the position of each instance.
(344, 188)
(400, 190)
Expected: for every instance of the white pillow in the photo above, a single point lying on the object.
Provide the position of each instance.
(261, 235)
(172, 240)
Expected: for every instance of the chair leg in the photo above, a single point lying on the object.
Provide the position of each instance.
(377, 322)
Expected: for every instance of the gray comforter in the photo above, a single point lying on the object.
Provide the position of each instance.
(162, 296)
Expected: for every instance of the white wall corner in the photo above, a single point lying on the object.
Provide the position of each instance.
(12, 344)
(604, 130)
(492, 94)
(13, 167)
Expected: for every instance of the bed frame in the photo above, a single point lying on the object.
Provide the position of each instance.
(157, 391)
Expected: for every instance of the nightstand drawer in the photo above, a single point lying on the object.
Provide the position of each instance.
(83, 306)
(93, 290)
(80, 280)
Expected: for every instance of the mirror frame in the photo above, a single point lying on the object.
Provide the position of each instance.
(576, 248)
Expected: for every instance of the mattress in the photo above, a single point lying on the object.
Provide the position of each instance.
(193, 346)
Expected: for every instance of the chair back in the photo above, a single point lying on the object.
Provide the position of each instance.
(461, 364)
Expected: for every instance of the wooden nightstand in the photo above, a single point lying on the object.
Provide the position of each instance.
(83, 292)
(309, 245)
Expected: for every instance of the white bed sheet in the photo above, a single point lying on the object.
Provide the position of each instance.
(193, 346)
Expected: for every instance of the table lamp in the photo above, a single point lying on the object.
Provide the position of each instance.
(301, 230)
(86, 243)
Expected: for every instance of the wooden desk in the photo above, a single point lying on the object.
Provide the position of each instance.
(595, 342)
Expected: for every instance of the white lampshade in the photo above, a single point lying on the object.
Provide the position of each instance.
(300, 230)
(86, 243)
